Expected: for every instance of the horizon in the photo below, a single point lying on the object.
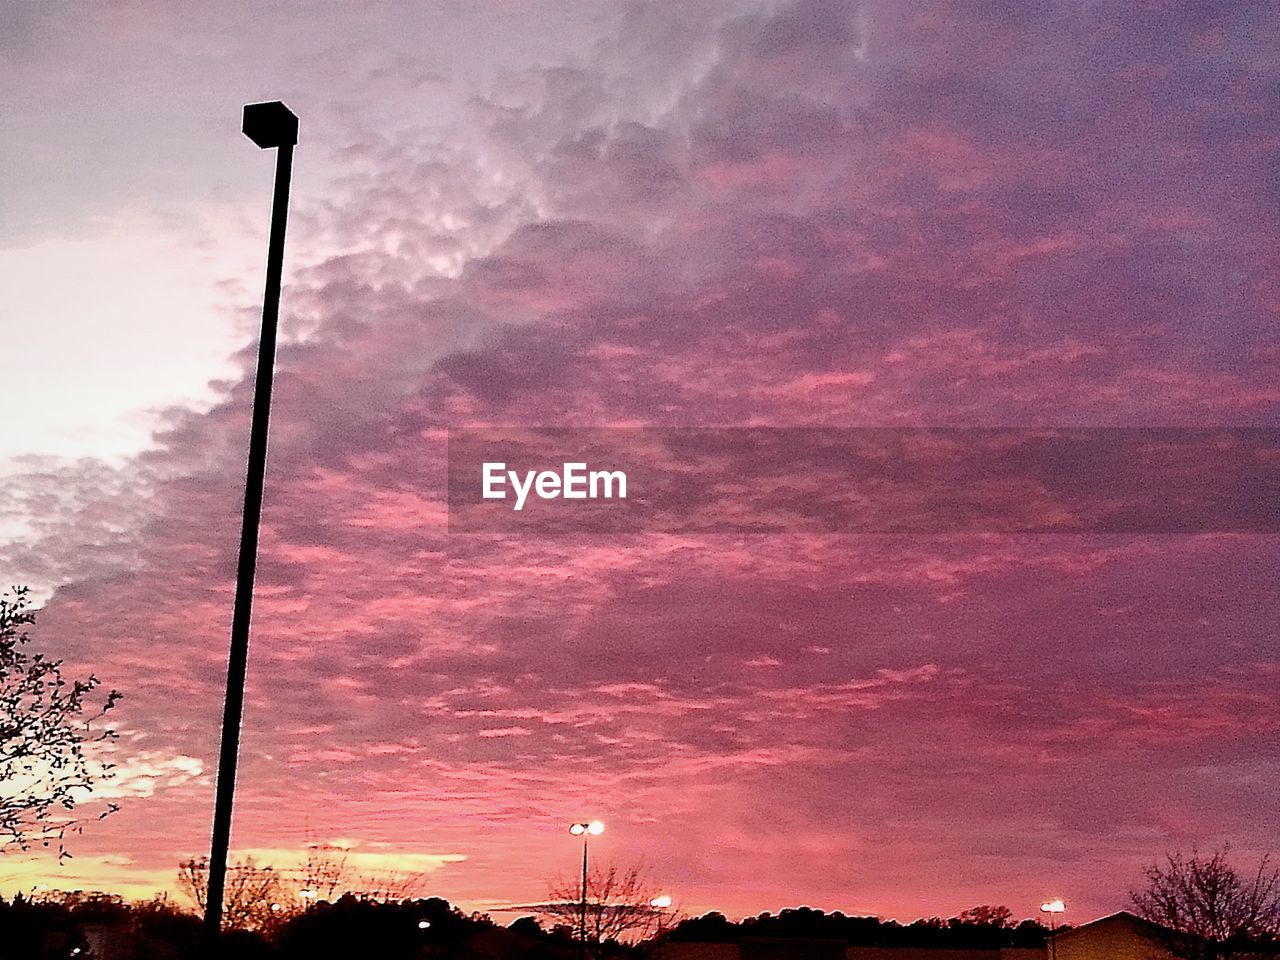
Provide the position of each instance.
(533, 910)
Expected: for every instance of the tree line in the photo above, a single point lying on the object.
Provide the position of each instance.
(979, 928)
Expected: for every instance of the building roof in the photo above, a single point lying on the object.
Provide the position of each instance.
(1120, 917)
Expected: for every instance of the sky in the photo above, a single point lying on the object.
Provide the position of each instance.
(801, 213)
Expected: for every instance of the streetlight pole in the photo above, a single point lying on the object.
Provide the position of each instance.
(268, 125)
(1053, 908)
(582, 920)
(658, 906)
(585, 831)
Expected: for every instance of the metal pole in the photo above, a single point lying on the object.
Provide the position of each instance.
(1053, 936)
(267, 132)
(582, 939)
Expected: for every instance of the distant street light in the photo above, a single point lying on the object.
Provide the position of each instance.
(659, 906)
(268, 125)
(1053, 908)
(584, 830)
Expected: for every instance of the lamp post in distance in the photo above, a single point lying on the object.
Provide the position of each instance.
(659, 906)
(586, 831)
(1053, 908)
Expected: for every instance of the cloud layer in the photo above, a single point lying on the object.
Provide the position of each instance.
(816, 214)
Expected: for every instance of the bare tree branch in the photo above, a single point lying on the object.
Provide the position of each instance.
(1209, 910)
(262, 898)
(620, 905)
(45, 723)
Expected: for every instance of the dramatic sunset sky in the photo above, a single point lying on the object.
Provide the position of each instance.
(617, 212)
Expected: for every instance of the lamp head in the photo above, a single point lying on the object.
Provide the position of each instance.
(1053, 906)
(578, 829)
(270, 124)
(595, 828)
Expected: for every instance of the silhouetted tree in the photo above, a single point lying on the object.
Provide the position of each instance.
(255, 899)
(986, 915)
(405, 930)
(45, 723)
(528, 927)
(163, 931)
(1208, 910)
(38, 929)
(324, 874)
(712, 927)
(261, 898)
(983, 928)
(619, 905)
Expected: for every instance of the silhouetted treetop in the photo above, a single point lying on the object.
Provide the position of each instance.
(984, 927)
